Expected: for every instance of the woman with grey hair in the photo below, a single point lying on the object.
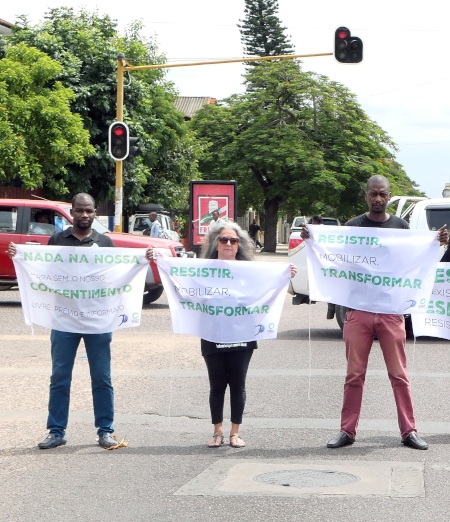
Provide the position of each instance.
(227, 363)
(245, 246)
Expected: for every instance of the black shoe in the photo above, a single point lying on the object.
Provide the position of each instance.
(414, 441)
(341, 439)
(331, 311)
(52, 441)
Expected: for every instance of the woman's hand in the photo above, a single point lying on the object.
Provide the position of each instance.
(151, 254)
(12, 250)
(293, 270)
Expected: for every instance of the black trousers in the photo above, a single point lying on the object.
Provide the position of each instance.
(228, 368)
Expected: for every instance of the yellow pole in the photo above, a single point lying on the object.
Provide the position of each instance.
(231, 60)
(119, 164)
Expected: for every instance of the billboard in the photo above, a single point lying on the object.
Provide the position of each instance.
(205, 197)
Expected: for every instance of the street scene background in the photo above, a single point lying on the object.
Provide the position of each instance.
(167, 473)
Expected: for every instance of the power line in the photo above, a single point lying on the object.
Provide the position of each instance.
(403, 88)
(309, 29)
(423, 143)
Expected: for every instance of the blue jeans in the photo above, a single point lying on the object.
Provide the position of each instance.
(64, 350)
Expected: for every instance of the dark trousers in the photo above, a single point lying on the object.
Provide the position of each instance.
(228, 368)
(255, 240)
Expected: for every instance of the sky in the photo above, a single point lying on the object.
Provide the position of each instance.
(403, 82)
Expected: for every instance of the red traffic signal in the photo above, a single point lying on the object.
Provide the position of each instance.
(347, 48)
(118, 141)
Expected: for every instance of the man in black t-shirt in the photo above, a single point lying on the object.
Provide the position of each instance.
(360, 328)
(64, 345)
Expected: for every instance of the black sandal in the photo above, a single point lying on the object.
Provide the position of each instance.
(216, 444)
(236, 443)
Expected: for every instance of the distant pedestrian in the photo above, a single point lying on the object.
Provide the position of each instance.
(154, 230)
(253, 231)
(317, 220)
(216, 221)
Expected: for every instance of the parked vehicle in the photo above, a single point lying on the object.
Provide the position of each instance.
(140, 221)
(421, 213)
(300, 220)
(18, 224)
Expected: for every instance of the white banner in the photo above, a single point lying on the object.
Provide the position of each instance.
(225, 301)
(436, 322)
(381, 270)
(87, 290)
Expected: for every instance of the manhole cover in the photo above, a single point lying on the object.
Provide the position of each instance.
(307, 478)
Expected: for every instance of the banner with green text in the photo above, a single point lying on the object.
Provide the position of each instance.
(381, 270)
(436, 322)
(87, 290)
(224, 301)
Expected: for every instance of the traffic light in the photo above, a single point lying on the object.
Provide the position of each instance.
(347, 48)
(118, 139)
(133, 148)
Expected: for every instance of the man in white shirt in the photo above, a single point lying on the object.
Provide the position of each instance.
(155, 229)
(216, 221)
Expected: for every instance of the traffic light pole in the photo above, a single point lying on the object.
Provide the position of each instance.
(122, 67)
(119, 164)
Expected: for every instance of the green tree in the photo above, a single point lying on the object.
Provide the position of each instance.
(293, 141)
(86, 45)
(261, 30)
(40, 138)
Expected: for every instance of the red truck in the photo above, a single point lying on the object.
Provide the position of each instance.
(19, 223)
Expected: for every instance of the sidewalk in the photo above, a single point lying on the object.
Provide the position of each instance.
(281, 254)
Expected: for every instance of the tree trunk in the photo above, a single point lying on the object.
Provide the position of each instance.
(271, 219)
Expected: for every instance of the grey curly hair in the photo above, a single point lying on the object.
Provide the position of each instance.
(246, 248)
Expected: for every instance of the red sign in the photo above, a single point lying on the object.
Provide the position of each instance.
(207, 196)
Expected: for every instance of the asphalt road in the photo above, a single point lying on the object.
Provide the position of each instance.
(167, 473)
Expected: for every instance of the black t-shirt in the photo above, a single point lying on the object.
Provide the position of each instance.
(253, 229)
(209, 347)
(364, 221)
(446, 256)
(66, 238)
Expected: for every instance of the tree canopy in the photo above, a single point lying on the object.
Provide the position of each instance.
(295, 141)
(39, 135)
(86, 45)
(261, 30)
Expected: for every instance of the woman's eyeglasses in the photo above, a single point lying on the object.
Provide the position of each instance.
(233, 240)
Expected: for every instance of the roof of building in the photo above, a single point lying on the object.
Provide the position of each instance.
(189, 105)
(5, 27)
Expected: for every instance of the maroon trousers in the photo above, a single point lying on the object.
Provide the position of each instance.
(359, 330)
